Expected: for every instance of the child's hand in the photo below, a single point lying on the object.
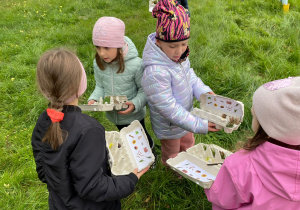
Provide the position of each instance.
(212, 93)
(139, 174)
(91, 102)
(212, 127)
(130, 108)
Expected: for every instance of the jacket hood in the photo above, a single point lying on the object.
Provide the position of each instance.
(153, 55)
(278, 168)
(132, 51)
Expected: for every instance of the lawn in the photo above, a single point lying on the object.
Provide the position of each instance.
(236, 46)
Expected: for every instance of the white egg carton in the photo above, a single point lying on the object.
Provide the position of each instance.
(152, 4)
(200, 163)
(128, 149)
(226, 113)
(115, 103)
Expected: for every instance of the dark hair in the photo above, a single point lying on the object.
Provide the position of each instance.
(120, 60)
(58, 77)
(260, 137)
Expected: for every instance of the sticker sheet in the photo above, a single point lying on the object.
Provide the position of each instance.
(139, 147)
(225, 104)
(194, 171)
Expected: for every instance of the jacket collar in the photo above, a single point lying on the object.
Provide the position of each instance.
(184, 55)
(70, 108)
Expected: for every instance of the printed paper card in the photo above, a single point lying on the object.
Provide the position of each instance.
(139, 147)
(194, 171)
(225, 104)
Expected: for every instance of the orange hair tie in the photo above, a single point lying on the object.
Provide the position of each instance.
(54, 115)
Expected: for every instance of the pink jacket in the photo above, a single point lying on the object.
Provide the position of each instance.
(265, 178)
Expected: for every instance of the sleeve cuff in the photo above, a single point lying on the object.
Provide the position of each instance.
(133, 177)
(204, 130)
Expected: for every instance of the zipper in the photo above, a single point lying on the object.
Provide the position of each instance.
(112, 91)
(170, 124)
(112, 81)
(187, 82)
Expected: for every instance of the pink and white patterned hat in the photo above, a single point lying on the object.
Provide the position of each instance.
(109, 32)
(173, 22)
(276, 106)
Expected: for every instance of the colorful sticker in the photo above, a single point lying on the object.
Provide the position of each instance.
(139, 148)
(224, 105)
(194, 171)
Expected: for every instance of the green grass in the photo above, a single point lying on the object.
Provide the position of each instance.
(236, 46)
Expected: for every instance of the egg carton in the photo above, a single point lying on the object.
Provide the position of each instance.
(115, 103)
(226, 113)
(152, 4)
(200, 163)
(128, 149)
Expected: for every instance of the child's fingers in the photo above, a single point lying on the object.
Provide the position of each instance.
(135, 171)
(129, 109)
(142, 172)
(210, 124)
(212, 127)
(91, 102)
(139, 174)
(212, 93)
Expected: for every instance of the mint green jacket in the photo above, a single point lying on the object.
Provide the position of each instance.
(109, 83)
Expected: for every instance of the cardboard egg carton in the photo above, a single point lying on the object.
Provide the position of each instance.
(128, 149)
(200, 163)
(115, 103)
(152, 4)
(226, 113)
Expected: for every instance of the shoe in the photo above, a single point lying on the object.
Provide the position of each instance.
(153, 166)
(151, 142)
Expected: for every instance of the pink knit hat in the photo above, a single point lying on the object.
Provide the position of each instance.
(109, 32)
(82, 86)
(276, 107)
(173, 22)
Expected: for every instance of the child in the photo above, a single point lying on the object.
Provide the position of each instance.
(266, 173)
(170, 84)
(184, 3)
(68, 146)
(118, 71)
